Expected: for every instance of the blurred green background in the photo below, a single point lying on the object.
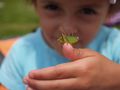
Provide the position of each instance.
(17, 17)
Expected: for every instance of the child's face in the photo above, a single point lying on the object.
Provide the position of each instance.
(78, 17)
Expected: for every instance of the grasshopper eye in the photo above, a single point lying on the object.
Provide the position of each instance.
(68, 39)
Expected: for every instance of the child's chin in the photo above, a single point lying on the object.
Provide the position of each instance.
(78, 45)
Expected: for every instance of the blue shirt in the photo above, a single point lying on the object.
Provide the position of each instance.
(32, 52)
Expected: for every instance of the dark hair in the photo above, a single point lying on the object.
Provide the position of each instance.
(1, 58)
(115, 8)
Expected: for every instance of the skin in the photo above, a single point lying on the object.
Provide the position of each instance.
(88, 70)
(81, 19)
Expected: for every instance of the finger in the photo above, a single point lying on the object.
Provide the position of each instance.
(29, 88)
(76, 54)
(60, 71)
(64, 84)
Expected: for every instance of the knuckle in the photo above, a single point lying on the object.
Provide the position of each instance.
(87, 71)
(58, 71)
(87, 67)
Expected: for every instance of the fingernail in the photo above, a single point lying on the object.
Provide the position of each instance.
(25, 80)
(67, 46)
(28, 88)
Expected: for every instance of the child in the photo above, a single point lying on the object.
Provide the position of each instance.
(82, 18)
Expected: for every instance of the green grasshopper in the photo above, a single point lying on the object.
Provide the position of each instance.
(68, 39)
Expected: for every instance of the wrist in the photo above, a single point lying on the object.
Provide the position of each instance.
(111, 77)
(115, 77)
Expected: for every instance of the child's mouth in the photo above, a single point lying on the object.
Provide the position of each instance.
(71, 39)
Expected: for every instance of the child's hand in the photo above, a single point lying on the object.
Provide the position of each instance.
(88, 71)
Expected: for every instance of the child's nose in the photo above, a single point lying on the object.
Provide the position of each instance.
(69, 28)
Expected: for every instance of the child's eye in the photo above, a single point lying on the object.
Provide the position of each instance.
(88, 11)
(52, 7)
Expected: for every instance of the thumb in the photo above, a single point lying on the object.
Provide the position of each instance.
(75, 54)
